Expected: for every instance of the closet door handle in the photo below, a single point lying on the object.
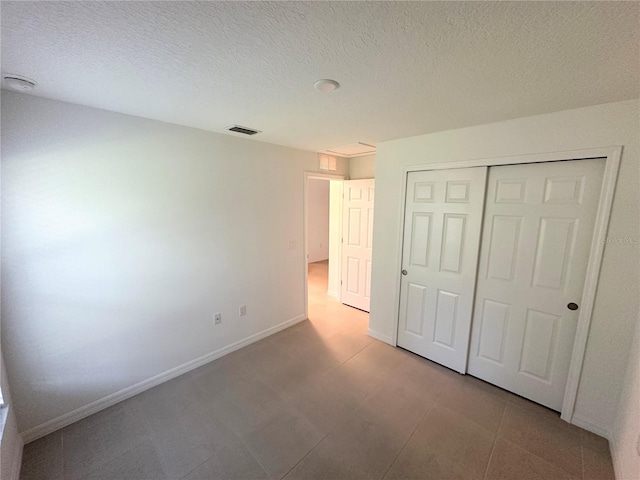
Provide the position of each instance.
(404, 272)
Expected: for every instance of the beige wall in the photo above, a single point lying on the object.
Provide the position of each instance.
(123, 236)
(362, 167)
(616, 307)
(318, 220)
(625, 442)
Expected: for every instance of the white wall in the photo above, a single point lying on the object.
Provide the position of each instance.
(11, 442)
(123, 236)
(318, 219)
(616, 307)
(625, 442)
(362, 167)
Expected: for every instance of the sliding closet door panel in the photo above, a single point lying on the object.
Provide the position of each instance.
(537, 233)
(443, 219)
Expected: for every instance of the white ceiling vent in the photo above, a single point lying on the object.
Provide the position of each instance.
(243, 130)
(352, 150)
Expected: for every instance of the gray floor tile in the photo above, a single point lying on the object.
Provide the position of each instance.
(326, 464)
(445, 446)
(476, 400)
(364, 445)
(326, 402)
(282, 442)
(187, 436)
(509, 462)
(248, 405)
(596, 457)
(232, 462)
(42, 459)
(140, 463)
(100, 438)
(394, 406)
(541, 432)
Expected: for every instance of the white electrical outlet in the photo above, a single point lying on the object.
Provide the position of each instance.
(243, 310)
(217, 318)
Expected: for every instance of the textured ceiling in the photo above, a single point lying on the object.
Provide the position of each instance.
(404, 68)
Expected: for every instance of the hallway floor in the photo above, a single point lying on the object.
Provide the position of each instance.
(321, 400)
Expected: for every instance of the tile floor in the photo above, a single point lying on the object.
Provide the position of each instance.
(321, 400)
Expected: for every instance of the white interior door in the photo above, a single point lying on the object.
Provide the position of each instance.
(537, 233)
(443, 219)
(357, 235)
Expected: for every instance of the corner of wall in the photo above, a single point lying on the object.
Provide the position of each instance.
(624, 440)
(11, 442)
(380, 336)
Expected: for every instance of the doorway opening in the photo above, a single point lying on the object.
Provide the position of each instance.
(323, 230)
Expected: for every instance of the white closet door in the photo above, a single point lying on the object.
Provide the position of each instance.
(357, 234)
(443, 219)
(537, 233)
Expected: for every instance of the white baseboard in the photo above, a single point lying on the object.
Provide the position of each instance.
(582, 422)
(333, 294)
(380, 336)
(106, 402)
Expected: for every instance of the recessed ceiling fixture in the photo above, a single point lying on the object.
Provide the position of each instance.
(245, 130)
(18, 82)
(326, 85)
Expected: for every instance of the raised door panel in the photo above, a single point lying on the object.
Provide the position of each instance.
(416, 302)
(493, 324)
(420, 239)
(556, 238)
(445, 320)
(503, 247)
(453, 242)
(539, 345)
(353, 275)
(354, 237)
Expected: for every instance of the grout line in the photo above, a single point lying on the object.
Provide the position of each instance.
(495, 441)
(306, 454)
(395, 460)
(254, 457)
(335, 427)
(544, 460)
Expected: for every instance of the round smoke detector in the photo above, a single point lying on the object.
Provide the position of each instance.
(18, 82)
(326, 85)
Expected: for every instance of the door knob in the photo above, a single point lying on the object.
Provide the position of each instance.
(572, 306)
(404, 272)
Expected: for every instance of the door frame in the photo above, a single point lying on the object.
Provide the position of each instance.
(305, 213)
(611, 155)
